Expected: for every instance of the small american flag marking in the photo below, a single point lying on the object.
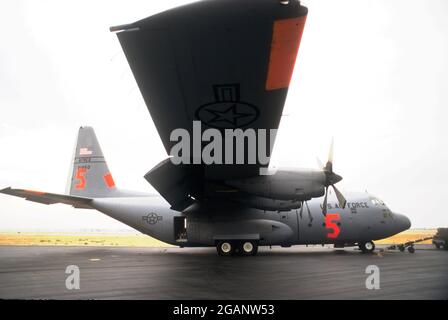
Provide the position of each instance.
(85, 152)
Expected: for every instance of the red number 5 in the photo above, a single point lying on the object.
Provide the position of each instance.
(330, 224)
(81, 178)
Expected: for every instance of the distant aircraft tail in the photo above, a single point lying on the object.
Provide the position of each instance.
(90, 175)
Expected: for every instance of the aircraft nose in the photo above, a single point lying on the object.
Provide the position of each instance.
(403, 222)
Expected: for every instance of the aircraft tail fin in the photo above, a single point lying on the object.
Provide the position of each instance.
(90, 176)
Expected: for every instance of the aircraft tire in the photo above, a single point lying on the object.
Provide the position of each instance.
(225, 248)
(411, 249)
(249, 248)
(367, 247)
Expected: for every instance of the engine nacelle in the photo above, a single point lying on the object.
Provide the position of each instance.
(284, 184)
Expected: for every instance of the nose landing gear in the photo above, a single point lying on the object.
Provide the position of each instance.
(367, 247)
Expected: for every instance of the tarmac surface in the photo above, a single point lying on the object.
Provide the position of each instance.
(199, 273)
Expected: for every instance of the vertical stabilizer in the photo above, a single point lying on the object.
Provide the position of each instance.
(90, 175)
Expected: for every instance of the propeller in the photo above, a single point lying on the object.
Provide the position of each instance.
(331, 179)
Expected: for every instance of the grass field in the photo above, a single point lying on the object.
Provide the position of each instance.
(65, 239)
(140, 240)
(409, 235)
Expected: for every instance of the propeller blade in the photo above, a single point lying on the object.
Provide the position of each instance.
(341, 198)
(324, 205)
(329, 165)
(320, 164)
(330, 153)
(301, 209)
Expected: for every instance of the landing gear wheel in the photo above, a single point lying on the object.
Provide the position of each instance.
(225, 248)
(411, 249)
(367, 247)
(401, 248)
(437, 245)
(249, 248)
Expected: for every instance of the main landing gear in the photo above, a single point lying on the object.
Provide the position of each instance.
(367, 247)
(240, 247)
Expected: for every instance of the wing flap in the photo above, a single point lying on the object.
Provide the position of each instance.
(179, 185)
(49, 198)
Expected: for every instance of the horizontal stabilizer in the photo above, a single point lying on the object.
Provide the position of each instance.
(49, 198)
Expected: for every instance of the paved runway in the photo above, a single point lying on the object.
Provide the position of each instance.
(280, 273)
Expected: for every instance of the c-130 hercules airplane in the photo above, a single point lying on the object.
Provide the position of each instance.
(226, 64)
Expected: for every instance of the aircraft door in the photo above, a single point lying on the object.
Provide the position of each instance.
(180, 229)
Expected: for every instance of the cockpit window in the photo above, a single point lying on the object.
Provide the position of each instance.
(387, 213)
(377, 202)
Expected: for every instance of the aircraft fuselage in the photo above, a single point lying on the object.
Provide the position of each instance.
(363, 219)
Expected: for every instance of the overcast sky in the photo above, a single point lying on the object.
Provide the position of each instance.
(372, 74)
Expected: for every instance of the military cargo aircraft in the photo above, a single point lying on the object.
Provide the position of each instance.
(231, 227)
(226, 65)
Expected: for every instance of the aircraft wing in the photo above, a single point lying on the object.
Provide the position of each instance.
(49, 198)
(226, 63)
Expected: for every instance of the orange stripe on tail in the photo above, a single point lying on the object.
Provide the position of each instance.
(110, 183)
